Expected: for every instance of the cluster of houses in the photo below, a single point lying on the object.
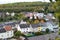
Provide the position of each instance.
(7, 28)
(47, 16)
(3, 14)
(25, 28)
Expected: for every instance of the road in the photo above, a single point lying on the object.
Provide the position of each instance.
(44, 37)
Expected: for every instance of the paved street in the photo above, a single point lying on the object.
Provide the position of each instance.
(44, 37)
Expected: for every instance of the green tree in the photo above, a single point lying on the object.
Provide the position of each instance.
(57, 0)
(21, 16)
(50, 0)
(18, 34)
(47, 30)
(38, 33)
(56, 6)
(57, 39)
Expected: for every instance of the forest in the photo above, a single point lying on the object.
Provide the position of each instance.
(25, 6)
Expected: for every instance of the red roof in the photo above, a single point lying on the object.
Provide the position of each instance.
(8, 28)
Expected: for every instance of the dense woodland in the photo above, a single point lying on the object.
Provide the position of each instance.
(31, 7)
(26, 6)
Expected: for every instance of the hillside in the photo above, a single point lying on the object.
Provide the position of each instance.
(23, 6)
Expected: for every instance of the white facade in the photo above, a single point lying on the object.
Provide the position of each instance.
(7, 34)
(39, 15)
(23, 29)
(31, 17)
(50, 14)
(50, 27)
(7, 13)
(12, 14)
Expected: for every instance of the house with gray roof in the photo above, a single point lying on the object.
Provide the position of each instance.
(24, 28)
(49, 16)
(50, 25)
(36, 27)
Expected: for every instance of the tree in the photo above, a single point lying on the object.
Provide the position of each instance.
(38, 33)
(17, 34)
(57, 38)
(56, 6)
(21, 16)
(50, 0)
(57, 0)
(47, 30)
(49, 38)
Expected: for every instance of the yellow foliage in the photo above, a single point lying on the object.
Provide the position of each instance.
(42, 21)
(36, 21)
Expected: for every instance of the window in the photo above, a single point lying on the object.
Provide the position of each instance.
(7, 34)
(1, 35)
(11, 33)
(7, 31)
(55, 28)
(27, 28)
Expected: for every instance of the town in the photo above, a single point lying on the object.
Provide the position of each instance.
(33, 20)
(36, 24)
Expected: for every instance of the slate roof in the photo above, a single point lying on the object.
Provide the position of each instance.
(1, 25)
(2, 30)
(51, 23)
(11, 24)
(24, 25)
(35, 25)
(43, 24)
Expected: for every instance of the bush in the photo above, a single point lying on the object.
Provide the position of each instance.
(57, 39)
(17, 34)
(47, 30)
(59, 32)
(38, 33)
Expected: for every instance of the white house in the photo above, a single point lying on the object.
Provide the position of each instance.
(29, 14)
(49, 16)
(39, 15)
(7, 13)
(50, 25)
(43, 26)
(24, 28)
(12, 14)
(36, 27)
(6, 32)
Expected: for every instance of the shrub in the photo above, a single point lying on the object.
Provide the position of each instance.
(17, 34)
(59, 32)
(38, 33)
(47, 30)
(57, 38)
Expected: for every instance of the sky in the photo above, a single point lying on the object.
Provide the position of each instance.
(13, 1)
